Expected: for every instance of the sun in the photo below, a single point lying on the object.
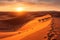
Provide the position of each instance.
(19, 9)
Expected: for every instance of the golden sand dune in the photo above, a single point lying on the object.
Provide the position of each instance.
(33, 26)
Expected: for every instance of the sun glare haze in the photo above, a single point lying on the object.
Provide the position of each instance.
(19, 9)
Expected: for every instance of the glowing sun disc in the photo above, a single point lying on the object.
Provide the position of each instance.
(19, 9)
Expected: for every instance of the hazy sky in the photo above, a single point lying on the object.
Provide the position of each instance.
(32, 4)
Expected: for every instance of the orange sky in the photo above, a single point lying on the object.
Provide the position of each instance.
(29, 7)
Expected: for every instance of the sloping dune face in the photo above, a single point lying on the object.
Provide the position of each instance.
(4, 17)
(10, 22)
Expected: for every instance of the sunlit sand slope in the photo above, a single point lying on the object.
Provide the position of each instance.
(38, 25)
